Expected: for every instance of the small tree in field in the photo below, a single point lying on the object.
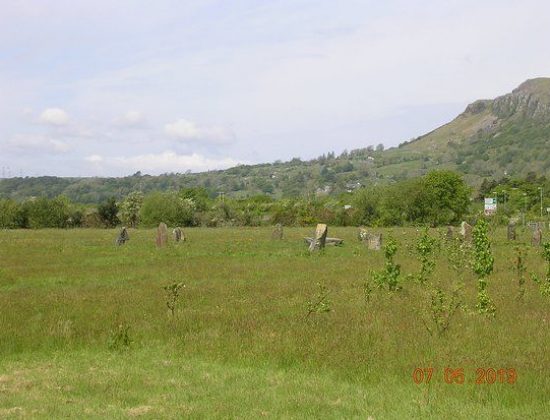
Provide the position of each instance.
(544, 284)
(129, 209)
(426, 247)
(520, 269)
(108, 212)
(390, 275)
(483, 266)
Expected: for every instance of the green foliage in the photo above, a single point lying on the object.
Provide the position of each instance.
(46, 213)
(441, 309)
(119, 338)
(389, 277)
(168, 207)
(367, 291)
(320, 302)
(129, 209)
(9, 211)
(520, 269)
(544, 285)
(242, 327)
(173, 295)
(108, 212)
(445, 199)
(482, 265)
(426, 248)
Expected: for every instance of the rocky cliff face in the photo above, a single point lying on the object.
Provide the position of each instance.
(531, 100)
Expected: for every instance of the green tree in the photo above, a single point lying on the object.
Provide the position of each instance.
(108, 211)
(9, 210)
(445, 198)
(167, 207)
(45, 213)
(130, 208)
(483, 266)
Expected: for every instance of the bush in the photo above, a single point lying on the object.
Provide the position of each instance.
(167, 207)
(46, 213)
(9, 210)
(108, 212)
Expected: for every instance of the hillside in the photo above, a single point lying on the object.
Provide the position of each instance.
(508, 135)
(491, 138)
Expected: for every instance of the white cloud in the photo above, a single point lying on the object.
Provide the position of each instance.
(94, 159)
(131, 119)
(186, 130)
(32, 143)
(54, 116)
(167, 161)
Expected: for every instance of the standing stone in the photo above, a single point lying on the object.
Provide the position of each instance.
(162, 235)
(466, 231)
(537, 237)
(123, 236)
(374, 241)
(320, 238)
(450, 233)
(362, 235)
(178, 235)
(277, 234)
(511, 232)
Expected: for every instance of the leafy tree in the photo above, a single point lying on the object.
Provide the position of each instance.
(167, 207)
(8, 214)
(446, 198)
(483, 266)
(46, 213)
(129, 209)
(108, 212)
(366, 204)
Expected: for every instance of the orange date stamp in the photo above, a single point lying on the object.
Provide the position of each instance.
(458, 376)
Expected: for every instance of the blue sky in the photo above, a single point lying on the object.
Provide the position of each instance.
(109, 88)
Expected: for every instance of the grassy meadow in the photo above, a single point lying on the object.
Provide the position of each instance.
(85, 330)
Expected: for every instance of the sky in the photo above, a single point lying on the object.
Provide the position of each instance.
(109, 88)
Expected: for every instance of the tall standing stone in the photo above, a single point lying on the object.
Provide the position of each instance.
(277, 233)
(162, 235)
(450, 233)
(511, 231)
(178, 235)
(374, 241)
(537, 237)
(466, 231)
(320, 238)
(123, 236)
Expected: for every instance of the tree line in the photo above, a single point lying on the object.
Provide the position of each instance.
(439, 198)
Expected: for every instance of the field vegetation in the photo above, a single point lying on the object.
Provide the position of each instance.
(231, 324)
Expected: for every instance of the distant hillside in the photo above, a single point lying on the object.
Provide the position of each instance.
(509, 135)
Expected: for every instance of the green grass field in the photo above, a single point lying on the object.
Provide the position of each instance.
(240, 344)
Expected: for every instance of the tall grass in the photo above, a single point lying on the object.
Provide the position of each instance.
(240, 343)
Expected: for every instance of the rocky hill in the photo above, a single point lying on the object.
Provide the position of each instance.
(492, 138)
(508, 135)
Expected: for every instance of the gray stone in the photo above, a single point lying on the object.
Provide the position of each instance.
(328, 241)
(450, 233)
(178, 235)
(362, 235)
(374, 241)
(123, 236)
(162, 235)
(537, 237)
(511, 232)
(466, 231)
(277, 233)
(319, 239)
